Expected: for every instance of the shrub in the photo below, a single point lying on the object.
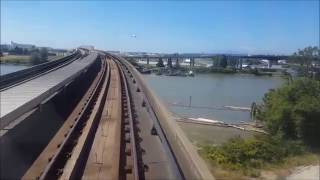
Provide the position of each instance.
(293, 111)
(35, 58)
(255, 153)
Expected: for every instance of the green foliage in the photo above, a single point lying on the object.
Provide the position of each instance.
(160, 63)
(177, 65)
(306, 56)
(44, 54)
(250, 154)
(17, 50)
(223, 61)
(169, 64)
(223, 70)
(35, 58)
(220, 61)
(293, 111)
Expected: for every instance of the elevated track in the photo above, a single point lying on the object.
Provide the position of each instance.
(119, 129)
(30, 87)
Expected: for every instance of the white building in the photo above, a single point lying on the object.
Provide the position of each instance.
(22, 46)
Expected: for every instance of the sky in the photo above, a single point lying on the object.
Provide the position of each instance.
(251, 27)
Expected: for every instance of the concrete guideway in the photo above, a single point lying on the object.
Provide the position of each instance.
(53, 151)
(118, 130)
(20, 99)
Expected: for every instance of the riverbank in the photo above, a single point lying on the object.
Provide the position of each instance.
(15, 59)
(22, 59)
(292, 167)
(202, 134)
(182, 70)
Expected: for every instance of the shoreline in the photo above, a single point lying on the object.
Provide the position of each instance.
(217, 132)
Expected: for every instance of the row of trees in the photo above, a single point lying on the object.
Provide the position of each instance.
(309, 59)
(169, 63)
(293, 111)
(306, 56)
(308, 52)
(17, 51)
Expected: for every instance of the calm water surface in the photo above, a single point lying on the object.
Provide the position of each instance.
(9, 68)
(212, 90)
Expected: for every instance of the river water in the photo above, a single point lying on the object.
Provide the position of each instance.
(9, 68)
(212, 91)
(209, 93)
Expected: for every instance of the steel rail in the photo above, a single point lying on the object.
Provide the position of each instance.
(56, 163)
(128, 118)
(182, 153)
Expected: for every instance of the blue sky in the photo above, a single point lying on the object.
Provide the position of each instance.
(253, 27)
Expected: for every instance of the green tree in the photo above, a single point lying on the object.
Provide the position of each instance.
(306, 56)
(220, 61)
(169, 64)
(215, 61)
(44, 54)
(160, 63)
(177, 65)
(25, 51)
(223, 61)
(17, 51)
(293, 111)
(35, 58)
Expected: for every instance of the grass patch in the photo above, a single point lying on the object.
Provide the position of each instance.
(15, 59)
(247, 157)
(22, 59)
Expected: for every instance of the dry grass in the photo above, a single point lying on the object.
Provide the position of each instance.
(22, 59)
(279, 170)
(15, 59)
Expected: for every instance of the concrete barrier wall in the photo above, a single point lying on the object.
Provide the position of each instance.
(191, 164)
(21, 145)
(11, 78)
(9, 118)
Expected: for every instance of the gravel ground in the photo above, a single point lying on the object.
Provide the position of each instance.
(209, 134)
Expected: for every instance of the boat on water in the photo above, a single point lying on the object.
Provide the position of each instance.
(179, 73)
(190, 73)
(145, 71)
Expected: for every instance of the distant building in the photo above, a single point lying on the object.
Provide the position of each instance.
(58, 52)
(4, 47)
(22, 46)
(282, 61)
(89, 47)
(113, 52)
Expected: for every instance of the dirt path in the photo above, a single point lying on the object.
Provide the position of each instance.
(305, 173)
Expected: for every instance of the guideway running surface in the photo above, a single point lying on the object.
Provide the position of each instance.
(103, 161)
(20, 99)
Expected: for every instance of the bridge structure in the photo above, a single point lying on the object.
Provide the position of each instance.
(237, 58)
(90, 115)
